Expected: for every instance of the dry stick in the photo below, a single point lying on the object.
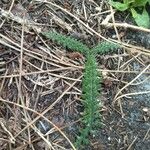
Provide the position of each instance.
(3, 81)
(116, 30)
(126, 25)
(131, 94)
(100, 13)
(132, 143)
(146, 135)
(20, 64)
(20, 97)
(116, 97)
(39, 115)
(84, 10)
(113, 19)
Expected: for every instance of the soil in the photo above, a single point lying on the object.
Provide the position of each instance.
(41, 87)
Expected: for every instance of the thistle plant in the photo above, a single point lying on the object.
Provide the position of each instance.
(90, 83)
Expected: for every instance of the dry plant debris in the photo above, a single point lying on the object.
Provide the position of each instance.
(40, 84)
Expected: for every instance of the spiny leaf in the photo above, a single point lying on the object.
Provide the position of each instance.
(90, 84)
(90, 95)
(105, 47)
(67, 42)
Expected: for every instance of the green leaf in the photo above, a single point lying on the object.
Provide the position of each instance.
(90, 88)
(139, 3)
(119, 6)
(128, 1)
(142, 20)
(105, 47)
(67, 41)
